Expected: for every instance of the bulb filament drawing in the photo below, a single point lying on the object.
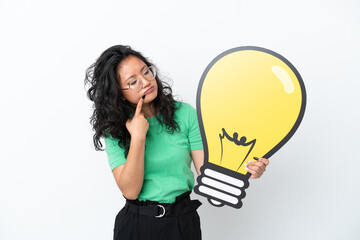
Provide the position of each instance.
(240, 142)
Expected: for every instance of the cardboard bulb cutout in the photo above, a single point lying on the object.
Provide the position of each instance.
(250, 101)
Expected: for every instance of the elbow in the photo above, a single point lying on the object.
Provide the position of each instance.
(130, 196)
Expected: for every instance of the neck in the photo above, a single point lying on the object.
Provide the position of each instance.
(148, 110)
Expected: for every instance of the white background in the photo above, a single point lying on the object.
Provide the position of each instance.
(54, 185)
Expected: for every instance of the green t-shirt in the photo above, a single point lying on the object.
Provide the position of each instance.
(167, 172)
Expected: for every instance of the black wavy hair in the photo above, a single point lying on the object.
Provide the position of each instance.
(110, 111)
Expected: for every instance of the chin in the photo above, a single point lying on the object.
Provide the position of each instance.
(151, 96)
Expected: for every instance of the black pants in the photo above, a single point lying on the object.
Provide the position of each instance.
(149, 220)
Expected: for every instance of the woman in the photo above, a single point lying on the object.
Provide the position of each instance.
(150, 141)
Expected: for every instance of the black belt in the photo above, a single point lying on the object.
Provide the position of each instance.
(182, 205)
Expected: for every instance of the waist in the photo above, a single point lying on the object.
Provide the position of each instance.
(182, 205)
(160, 189)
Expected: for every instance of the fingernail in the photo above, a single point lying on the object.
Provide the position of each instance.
(143, 97)
(245, 165)
(247, 169)
(256, 158)
(250, 162)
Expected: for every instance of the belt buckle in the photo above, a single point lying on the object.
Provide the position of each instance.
(163, 213)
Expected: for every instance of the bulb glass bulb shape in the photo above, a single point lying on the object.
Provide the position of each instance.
(250, 101)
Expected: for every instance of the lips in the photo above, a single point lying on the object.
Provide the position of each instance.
(149, 90)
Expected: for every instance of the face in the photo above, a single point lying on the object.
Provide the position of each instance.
(130, 70)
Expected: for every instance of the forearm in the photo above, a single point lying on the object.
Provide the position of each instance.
(198, 159)
(131, 178)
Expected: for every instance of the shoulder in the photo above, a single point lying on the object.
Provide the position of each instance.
(184, 112)
(183, 107)
(109, 139)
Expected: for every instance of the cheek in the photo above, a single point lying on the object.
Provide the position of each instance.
(157, 89)
(130, 97)
(156, 92)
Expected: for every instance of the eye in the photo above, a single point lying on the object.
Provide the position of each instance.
(133, 82)
(147, 72)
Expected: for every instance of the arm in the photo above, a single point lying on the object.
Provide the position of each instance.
(198, 159)
(255, 168)
(130, 176)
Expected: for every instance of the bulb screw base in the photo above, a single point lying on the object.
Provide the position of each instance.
(222, 186)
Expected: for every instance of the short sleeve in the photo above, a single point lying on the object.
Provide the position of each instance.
(116, 156)
(194, 131)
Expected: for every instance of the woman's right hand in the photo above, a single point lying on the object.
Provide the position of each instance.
(130, 176)
(138, 125)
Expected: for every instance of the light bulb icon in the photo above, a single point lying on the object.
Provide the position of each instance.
(250, 101)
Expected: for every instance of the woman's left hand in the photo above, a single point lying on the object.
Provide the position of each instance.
(256, 168)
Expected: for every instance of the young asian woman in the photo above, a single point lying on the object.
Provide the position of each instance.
(151, 140)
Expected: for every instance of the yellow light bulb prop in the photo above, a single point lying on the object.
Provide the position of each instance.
(250, 101)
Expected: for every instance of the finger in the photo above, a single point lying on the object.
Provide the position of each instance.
(254, 174)
(254, 170)
(264, 160)
(259, 164)
(139, 106)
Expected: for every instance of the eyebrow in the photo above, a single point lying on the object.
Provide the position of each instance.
(134, 74)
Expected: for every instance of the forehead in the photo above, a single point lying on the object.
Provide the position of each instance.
(129, 66)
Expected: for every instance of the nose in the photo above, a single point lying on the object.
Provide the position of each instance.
(145, 82)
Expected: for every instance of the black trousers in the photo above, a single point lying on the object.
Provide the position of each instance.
(150, 220)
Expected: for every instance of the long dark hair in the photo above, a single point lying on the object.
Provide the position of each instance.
(110, 111)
